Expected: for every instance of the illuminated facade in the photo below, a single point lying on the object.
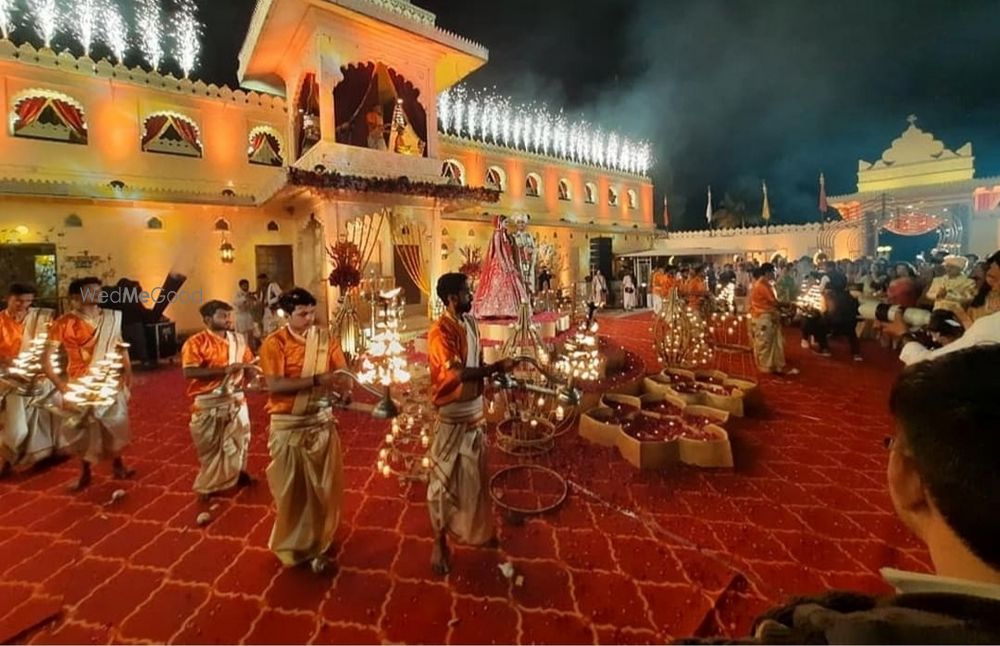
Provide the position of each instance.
(122, 172)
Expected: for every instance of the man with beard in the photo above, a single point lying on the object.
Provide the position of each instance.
(215, 361)
(457, 495)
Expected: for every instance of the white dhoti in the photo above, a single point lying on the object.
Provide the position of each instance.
(768, 342)
(100, 433)
(220, 428)
(27, 433)
(306, 476)
(457, 494)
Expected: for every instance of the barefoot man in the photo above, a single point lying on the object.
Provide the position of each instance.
(215, 361)
(86, 335)
(457, 494)
(27, 433)
(306, 470)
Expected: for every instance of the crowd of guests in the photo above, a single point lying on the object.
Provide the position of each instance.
(824, 298)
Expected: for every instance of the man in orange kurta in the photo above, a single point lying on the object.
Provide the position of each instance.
(695, 288)
(87, 335)
(765, 319)
(27, 433)
(215, 361)
(306, 470)
(457, 493)
(657, 283)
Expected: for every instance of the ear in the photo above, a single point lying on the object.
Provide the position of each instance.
(908, 493)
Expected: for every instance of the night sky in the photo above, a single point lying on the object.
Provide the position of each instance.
(730, 91)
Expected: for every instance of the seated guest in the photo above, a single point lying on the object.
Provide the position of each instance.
(987, 299)
(952, 288)
(983, 331)
(945, 487)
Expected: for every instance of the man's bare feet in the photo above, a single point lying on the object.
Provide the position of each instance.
(84, 480)
(245, 480)
(441, 557)
(321, 564)
(121, 472)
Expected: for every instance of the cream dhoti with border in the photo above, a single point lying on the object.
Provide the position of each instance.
(306, 474)
(768, 344)
(220, 429)
(28, 433)
(457, 495)
(102, 433)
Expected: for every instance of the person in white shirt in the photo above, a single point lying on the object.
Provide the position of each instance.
(983, 332)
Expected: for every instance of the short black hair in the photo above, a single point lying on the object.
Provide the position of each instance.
(261, 276)
(209, 309)
(76, 287)
(945, 323)
(244, 280)
(946, 408)
(295, 297)
(21, 289)
(450, 284)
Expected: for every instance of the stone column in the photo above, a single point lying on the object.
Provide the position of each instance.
(437, 222)
(328, 76)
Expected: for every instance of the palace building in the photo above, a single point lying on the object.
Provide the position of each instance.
(917, 187)
(335, 135)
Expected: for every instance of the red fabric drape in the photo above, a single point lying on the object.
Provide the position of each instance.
(154, 128)
(29, 110)
(72, 117)
(257, 143)
(188, 132)
(414, 112)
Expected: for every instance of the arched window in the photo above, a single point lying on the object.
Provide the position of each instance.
(591, 191)
(72, 221)
(272, 226)
(265, 147)
(452, 171)
(633, 199)
(154, 223)
(533, 185)
(496, 179)
(612, 196)
(222, 224)
(565, 193)
(171, 134)
(44, 114)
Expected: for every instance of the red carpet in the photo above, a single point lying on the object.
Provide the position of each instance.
(631, 557)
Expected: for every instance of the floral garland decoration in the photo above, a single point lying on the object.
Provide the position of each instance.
(398, 185)
(346, 260)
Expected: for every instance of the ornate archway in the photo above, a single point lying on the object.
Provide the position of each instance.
(376, 107)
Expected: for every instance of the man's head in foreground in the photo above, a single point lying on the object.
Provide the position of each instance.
(943, 473)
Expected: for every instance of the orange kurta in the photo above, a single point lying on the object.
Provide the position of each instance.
(11, 332)
(282, 355)
(656, 280)
(447, 353)
(695, 289)
(207, 350)
(762, 298)
(78, 338)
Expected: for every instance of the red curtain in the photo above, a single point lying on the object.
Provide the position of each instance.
(187, 131)
(257, 144)
(154, 128)
(414, 112)
(72, 117)
(29, 110)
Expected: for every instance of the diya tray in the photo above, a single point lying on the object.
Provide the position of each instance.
(656, 430)
(705, 388)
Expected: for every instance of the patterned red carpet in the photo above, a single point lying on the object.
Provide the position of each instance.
(631, 557)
